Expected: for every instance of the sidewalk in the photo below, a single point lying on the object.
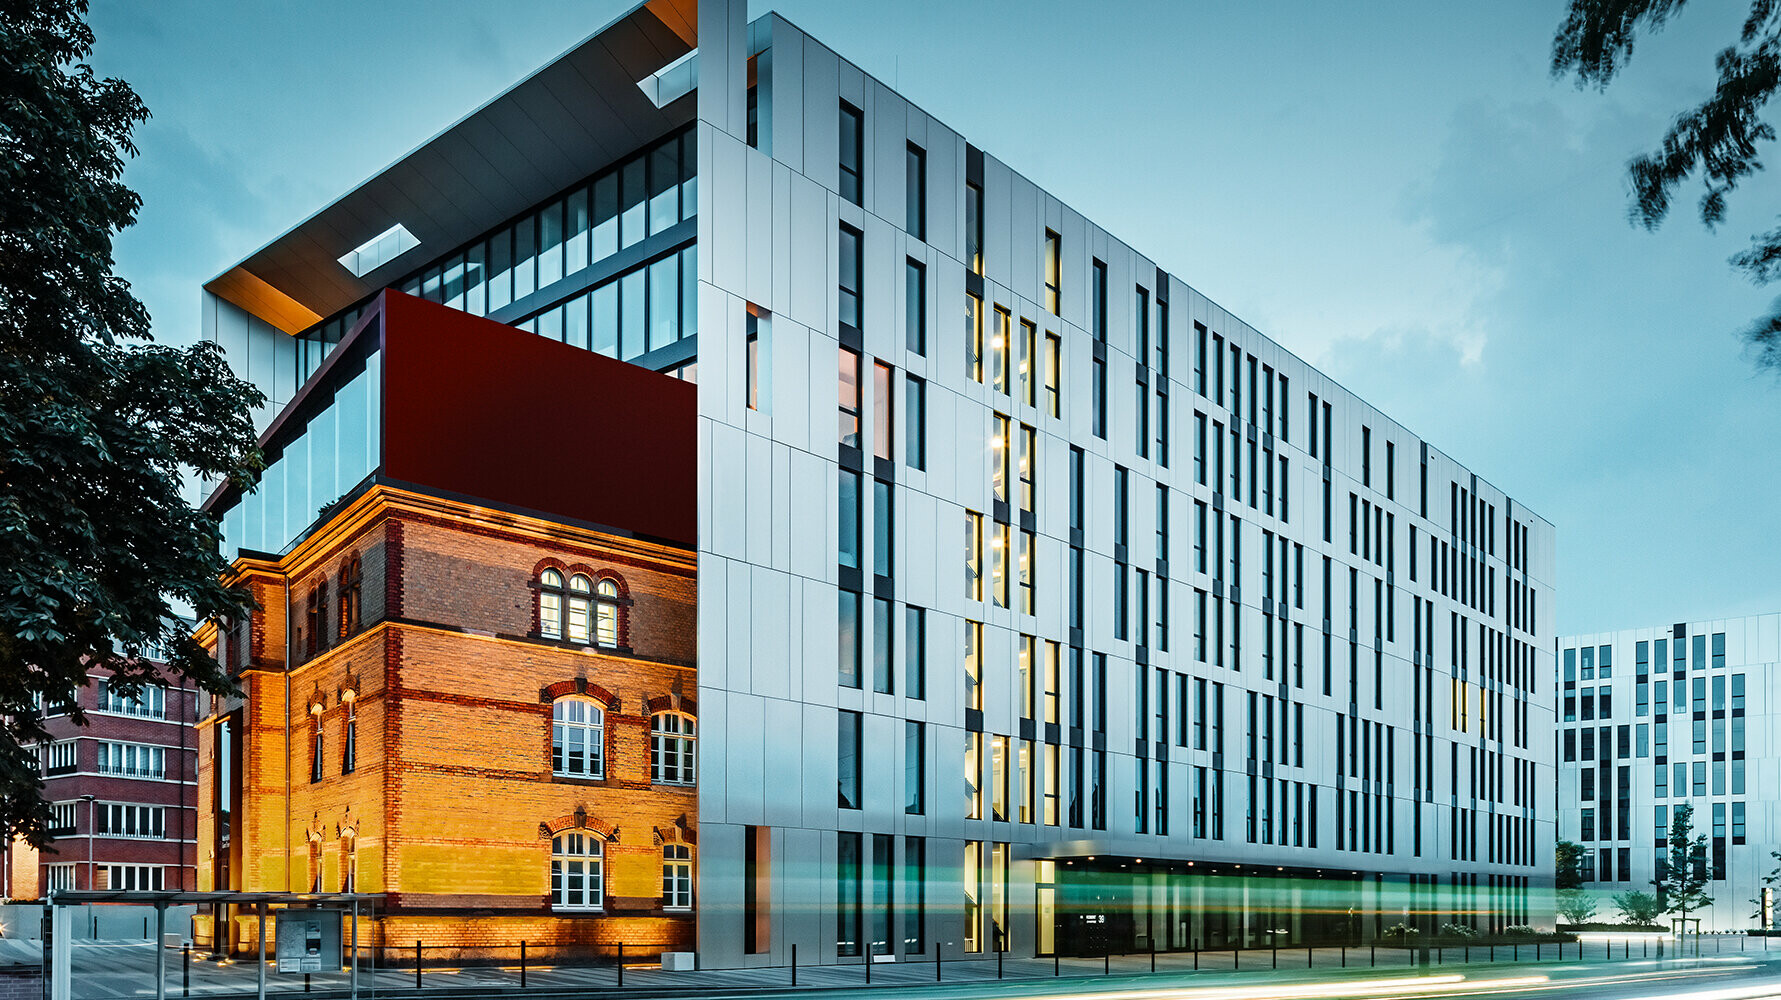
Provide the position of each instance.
(105, 970)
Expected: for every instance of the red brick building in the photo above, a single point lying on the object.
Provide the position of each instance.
(122, 793)
(470, 687)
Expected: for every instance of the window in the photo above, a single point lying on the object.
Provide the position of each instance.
(606, 602)
(882, 407)
(1053, 271)
(577, 738)
(999, 349)
(58, 758)
(915, 420)
(847, 760)
(915, 307)
(973, 556)
(129, 760)
(1025, 561)
(848, 383)
(315, 743)
(974, 665)
(915, 768)
(849, 276)
(848, 519)
(677, 877)
(576, 871)
(150, 702)
(974, 229)
(1028, 458)
(759, 332)
(138, 878)
(915, 669)
(564, 610)
(915, 181)
(848, 636)
(1054, 360)
(1002, 448)
(973, 338)
(1027, 362)
(1098, 301)
(673, 748)
(351, 580)
(116, 819)
(883, 664)
(853, 140)
(349, 739)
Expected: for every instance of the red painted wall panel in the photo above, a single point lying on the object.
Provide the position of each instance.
(478, 408)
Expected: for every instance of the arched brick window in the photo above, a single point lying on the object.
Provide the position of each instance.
(606, 613)
(351, 578)
(577, 871)
(577, 737)
(673, 756)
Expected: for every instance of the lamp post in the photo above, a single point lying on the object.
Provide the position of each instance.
(92, 822)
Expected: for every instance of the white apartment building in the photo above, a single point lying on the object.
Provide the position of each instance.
(1657, 718)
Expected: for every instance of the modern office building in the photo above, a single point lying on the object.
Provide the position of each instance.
(1662, 717)
(121, 790)
(1042, 604)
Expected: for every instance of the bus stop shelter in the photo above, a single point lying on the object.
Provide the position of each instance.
(58, 938)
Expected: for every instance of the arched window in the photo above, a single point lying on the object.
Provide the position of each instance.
(350, 578)
(349, 862)
(550, 604)
(321, 615)
(580, 594)
(315, 863)
(577, 738)
(576, 871)
(677, 877)
(673, 748)
(606, 613)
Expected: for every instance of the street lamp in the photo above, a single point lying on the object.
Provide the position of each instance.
(92, 821)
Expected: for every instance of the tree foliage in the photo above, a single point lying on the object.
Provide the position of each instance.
(1771, 882)
(98, 545)
(1719, 140)
(1682, 881)
(1637, 906)
(1570, 863)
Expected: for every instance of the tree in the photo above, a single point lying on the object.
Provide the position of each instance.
(1770, 881)
(1572, 868)
(1719, 138)
(98, 546)
(1682, 883)
(1637, 907)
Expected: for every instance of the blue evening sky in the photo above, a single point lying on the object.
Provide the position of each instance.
(1397, 191)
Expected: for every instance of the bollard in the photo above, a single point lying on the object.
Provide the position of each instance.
(1153, 954)
(417, 965)
(1196, 956)
(1493, 952)
(1536, 951)
(187, 961)
(522, 965)
(1344, 956)
(1373, 956)
(1056, 965)
(1440, 955)
(1607, 951)
(936, 962)
(1106, 962)
(306, 982)
(1466, 955)
(1516, 954)
(869, 964)
(1275, 957)
(1236, 959)
(795, 961)
(1310, 959)
(999, 953)
(621, 961)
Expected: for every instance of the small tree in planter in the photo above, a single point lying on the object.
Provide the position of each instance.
(1770, 882)
(1682, 882)
(1572, 868)
(1637, 907)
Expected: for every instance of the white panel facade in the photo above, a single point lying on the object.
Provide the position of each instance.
(1654, 719)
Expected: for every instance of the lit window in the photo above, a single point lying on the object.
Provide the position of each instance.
(550, 604)
(576, 871)
(577, 738)
(351, 576)
(673, 750)
(606, 613)
(677, 877)
(579, 604)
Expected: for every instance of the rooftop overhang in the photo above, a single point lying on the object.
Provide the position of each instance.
(541, 136)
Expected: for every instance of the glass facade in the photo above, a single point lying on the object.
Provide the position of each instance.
(605, 266)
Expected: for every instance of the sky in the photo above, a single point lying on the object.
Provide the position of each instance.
(1399, 192)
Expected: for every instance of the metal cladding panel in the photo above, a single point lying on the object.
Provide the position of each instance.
(477, 408)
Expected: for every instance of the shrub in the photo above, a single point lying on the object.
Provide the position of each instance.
(1457, 931)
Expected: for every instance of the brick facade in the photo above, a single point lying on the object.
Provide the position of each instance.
(452, 802)
(24, 874)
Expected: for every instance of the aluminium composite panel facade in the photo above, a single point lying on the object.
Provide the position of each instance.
(770, 585)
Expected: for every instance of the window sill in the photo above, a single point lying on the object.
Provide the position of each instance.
(578, 779)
